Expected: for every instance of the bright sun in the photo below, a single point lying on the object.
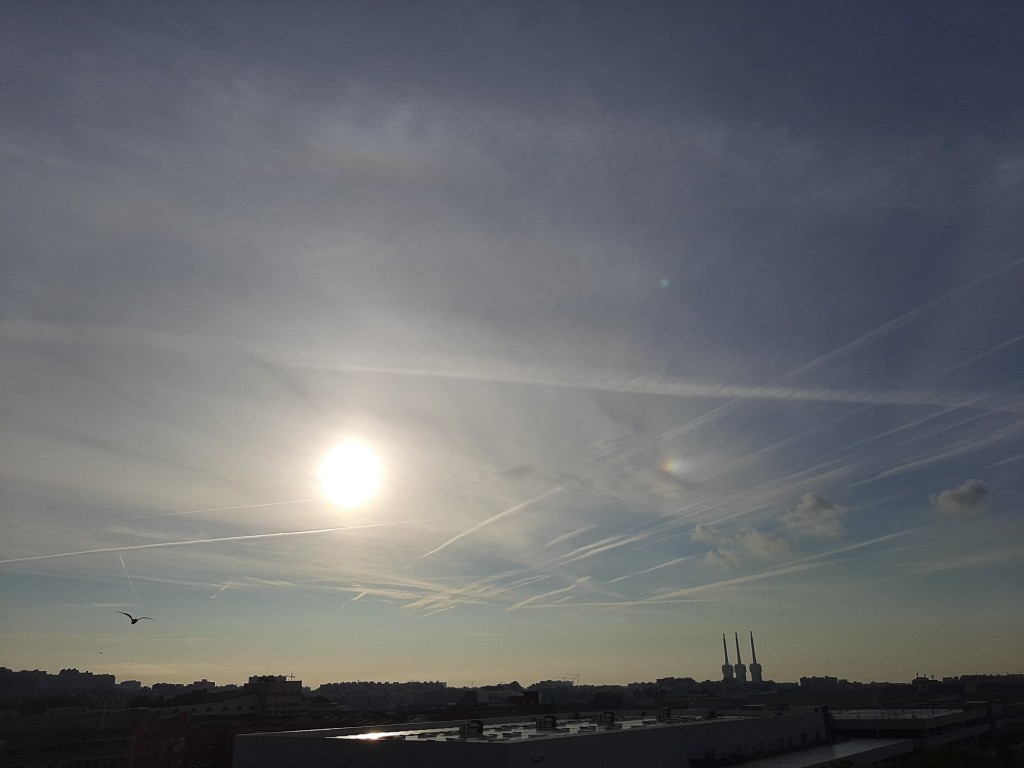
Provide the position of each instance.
(350, 475)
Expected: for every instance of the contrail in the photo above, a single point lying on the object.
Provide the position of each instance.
(353, 599)
(670, 563)
(919, 398)
(175, 514)
(959, 449)
(215, 594)
(250, 537)
(222, 509)
(656, 385)
(898, 321)
(130, 584)
(492, 519)
(535, 598)
(1010, 460)
(793, 566)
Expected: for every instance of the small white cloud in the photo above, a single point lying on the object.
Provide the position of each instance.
(763, 545)
(705, 534)
(723, 557)
(732, 548)
(816, 516)
(971, 496)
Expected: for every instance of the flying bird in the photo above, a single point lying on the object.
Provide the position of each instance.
(136, 620)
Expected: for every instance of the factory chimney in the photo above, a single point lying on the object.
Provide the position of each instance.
(755, 668)
(727, 667)
(739, 666)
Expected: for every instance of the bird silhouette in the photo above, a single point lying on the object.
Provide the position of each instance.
(136, 620)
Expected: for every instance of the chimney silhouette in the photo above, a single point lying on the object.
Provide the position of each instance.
(755, 668)
(739, 667)
(726, 668)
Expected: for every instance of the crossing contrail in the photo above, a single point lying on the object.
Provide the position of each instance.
(492, 519)
(914, 398)
(249, 537)
(217, 593)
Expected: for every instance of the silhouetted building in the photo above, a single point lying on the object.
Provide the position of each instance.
(131, 738)
(276, 695)
(740, 667)
(822, 683)
(755, 668)
(727, 670)
(924, 727)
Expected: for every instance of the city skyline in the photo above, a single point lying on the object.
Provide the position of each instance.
(79, 679)
(457, 341)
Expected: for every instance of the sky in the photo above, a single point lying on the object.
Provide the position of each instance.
(647, 322)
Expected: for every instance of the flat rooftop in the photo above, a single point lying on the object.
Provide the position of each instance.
(891, 714)
(857, 751)
(524, 730)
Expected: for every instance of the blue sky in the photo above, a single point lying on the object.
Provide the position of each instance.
(664, 321)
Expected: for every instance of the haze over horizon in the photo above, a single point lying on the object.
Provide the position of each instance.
(637, 325)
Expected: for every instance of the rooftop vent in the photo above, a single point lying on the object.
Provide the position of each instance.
(471, 728)
(546, 722)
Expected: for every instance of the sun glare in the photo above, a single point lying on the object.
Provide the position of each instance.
(350, 474)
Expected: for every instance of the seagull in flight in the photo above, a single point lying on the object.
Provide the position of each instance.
(136, 620)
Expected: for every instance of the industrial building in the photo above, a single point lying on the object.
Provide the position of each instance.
(808, 737)
(740, 668)
(727, 670)
(755, 668)
(923, 727)
(601, 740)
(737, 673)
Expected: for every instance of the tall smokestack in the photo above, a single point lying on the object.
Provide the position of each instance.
(755, 668)
(727, 667)
(739, 667)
